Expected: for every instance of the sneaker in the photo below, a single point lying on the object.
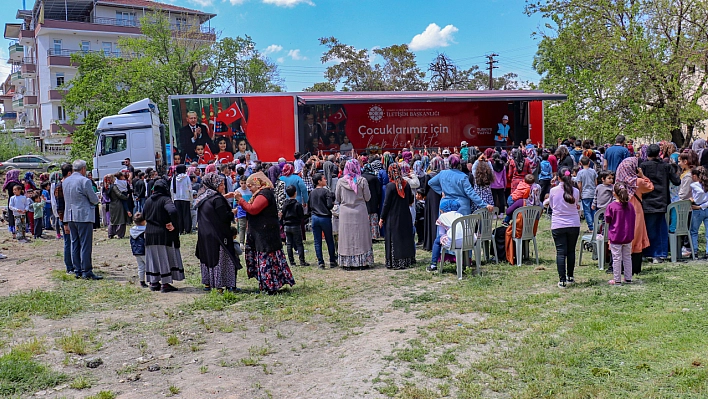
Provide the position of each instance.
(655, 261)
(321, 266)
(570, 280)
(58, 236)
(91, 276)
(432, 268)
(628, 281)
(561, 284)
(612, 282)
(143, 285)
(303, 263)
(3, 256)
(685, 252)
(505, 224)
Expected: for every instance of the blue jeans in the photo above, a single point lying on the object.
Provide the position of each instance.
(588, 211)
(47, 219)
(81, 247)
(697, 218)
(139, 205)
(437, 251)
(323, 225)
(67, 248)
(658, 234)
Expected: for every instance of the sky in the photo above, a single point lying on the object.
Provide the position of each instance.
(288, 31)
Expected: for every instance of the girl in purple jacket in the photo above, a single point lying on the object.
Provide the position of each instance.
(620, 219)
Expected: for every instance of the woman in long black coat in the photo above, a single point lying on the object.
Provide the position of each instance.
(400, 243)
(374, 203)
(215, 245)
(163, 260)
(432, 204)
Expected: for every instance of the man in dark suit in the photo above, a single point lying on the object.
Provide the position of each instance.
(311, 130)
(192, 134)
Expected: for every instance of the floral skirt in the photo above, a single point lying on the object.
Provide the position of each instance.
(221, 275)
(269, 268)
(364, 260)
(374, 225)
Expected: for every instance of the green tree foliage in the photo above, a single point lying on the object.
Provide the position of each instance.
(321, 86)
(357, 70)
(160, 63)
(636, 67)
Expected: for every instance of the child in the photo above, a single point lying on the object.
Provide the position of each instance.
(518, 198)
(564, 200)
(587, 181)
(699, 190)
(545, 175)
(420, 213)
(604, 191)
(292, 216)
(38, 203)
(620, 219)
(483, 178)
(203, 157)
(19, 206)
(498, 185)
(448, 214)
(137, 244)
(47, 223)
(241, 214)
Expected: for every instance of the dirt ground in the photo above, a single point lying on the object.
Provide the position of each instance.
(234, 353)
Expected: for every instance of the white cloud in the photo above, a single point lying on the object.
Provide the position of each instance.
(281, 60)
(288, 3)
(236, 2)
(433, 37)
(295, 55)
(273, 48)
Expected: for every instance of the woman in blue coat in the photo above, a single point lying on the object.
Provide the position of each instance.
(455, 184)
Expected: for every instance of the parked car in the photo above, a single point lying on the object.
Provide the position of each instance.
(28, 162)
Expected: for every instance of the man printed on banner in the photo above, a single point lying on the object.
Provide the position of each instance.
(192, 134)
(311, 130)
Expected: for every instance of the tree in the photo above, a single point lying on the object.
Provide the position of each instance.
(356, 70)
(321, 86)
(632, 66)
(445, 75)
(245, 69)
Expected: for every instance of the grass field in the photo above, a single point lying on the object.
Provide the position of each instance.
(509, 333)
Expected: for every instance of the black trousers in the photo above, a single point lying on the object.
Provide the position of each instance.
(185, 216)
(293, 237)
(499, 199)
(38, 227)
(565, 238)
(545, 188)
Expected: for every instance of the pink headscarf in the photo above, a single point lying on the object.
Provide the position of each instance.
(287, 170)
(352, 171)
(191, 170)
(211, 168)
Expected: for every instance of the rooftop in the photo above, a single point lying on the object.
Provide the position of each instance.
(71, 9)
(425, 96)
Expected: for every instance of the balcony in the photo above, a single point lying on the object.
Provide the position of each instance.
(26, 37)
(56, 57)
(57, 94)
(125, 26)
(58, 127)
(29, 67)
(9, 116)
(17, 52)
(17, 79)
(18, 102)
(32, 131)
(31, 101)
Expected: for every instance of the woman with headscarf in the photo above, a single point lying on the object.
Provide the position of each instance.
(29, 181)
(564, 160)
(432, 204)
(519, 167)
(455, 184)
(119, 216)
(265, 259)
(374, 203)
(274, 174)
(629, 174)
(352, 192)
(400, 247)
(163, 260)
(12, 179)
(218, 260)
(699, 147)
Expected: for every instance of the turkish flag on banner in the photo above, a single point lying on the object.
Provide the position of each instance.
(231, 115)
(339, 116)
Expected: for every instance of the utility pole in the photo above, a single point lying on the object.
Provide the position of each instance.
(491, 63)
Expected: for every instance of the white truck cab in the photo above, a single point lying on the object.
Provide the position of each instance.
(134, 133)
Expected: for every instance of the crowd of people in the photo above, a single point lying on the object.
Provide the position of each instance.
(261, 212)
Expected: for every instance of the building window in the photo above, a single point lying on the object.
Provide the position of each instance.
(61, 113)
(125, 18)
(57, 47)
(60, 79)
(107, 48)
(85, 46)
(181, 23)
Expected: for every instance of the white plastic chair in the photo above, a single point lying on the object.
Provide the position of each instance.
(469, 226)
(683, 226)
(597, 244)
(529, 215)
(486, 231)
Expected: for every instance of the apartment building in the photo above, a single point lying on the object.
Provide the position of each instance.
(45, 37)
